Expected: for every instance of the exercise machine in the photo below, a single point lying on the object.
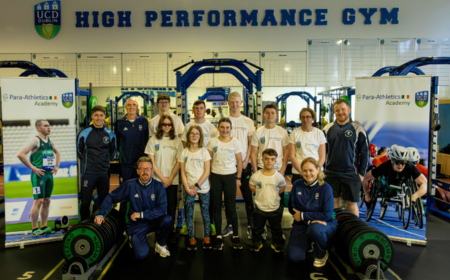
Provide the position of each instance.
(306, 96)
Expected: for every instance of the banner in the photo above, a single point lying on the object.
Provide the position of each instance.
(395, 110)
(39, 134)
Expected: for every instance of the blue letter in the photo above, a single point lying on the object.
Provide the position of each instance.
(368, 14)
(124, 17)
(301, 16)
(229, 15)
(182, 16)
(108, 19)
(269, 17)
(288, 16)
(320, 17)
(348, 16)
(95, 16)
(386, 16)
(198, 16)
(246, 18)
(82, 19)
(166, 20)
(150, 16)
(210, 18)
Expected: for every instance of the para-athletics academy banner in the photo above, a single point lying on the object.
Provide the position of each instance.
(395, 110)
(39, 150)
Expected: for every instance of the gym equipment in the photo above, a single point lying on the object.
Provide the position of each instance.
(360, 244)
(317, 106)
(214, 66)
(87, 246)
(329, 97)
(113, 105)
(61, 223)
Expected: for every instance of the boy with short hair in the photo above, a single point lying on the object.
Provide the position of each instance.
(208, 129)
(267, 184)
(163, 103)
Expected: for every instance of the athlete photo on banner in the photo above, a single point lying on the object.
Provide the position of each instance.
(395, 111)
(39, 149)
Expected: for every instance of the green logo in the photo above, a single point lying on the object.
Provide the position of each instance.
(5, 97)
(421, 98)
(47, 18)
(66, 99)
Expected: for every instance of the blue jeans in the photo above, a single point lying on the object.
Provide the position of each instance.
(189, 211)
(162, 226)
(302, 235)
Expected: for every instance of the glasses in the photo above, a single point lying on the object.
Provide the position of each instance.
(398, 162)
(145, 169)
(305, 118)
(164, 102)
(167, 124)
(194, 134)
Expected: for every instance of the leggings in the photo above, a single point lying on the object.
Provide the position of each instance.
(227, 184)
(172, 194)
(189, 212)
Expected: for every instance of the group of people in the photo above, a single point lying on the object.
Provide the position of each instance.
(212, 162)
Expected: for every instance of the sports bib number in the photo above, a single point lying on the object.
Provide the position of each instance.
(36, 190)
(48, 159)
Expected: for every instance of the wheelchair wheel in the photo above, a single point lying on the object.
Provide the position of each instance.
(418, 213)
(362, 196)
(406, 206)
(383, 208)
(373, 200)
(399, 210)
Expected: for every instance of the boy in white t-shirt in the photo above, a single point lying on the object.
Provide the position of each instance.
(267, 183)
(163, 103)
(209, 130)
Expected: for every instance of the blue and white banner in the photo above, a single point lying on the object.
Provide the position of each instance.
(395, 110)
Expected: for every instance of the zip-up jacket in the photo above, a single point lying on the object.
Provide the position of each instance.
(347, 149)
(148, 199)
(132, 137)
(95, 148)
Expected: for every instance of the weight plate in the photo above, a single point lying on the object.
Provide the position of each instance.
(107, 110)
(113, 227)
(92, 103)
(83, 241)
(146, 110)
(345, 97)
(364, 243)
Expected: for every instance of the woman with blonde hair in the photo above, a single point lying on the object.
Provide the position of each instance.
(311, 204)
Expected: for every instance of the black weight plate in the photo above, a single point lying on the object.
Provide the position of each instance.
(116, 223)
(102, 231)
(113, 227)
(381, 245)
(83, 241)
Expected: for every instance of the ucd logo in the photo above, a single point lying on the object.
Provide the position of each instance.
(67, 99)
(259, 185)
(422, 98)
(47, 18)
(263, 140)
(298, 144)
(215, 149)
(157, 147)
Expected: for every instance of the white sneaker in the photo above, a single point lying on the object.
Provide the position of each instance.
(321, 262)
(162, 251)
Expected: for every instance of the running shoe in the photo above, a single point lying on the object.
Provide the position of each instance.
(207, 243)
(218, 245)
(48, 230)
(163, 251)
(38, 232)
(278, 248)
(192, 244)
(237, 243)
(321, 262)
(227, 231)
(256, 246)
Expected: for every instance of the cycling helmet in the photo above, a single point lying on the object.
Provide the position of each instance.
(414, 155)
(398, 153)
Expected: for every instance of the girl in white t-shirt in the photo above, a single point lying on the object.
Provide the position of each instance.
(226, 163)
(195, 163)
(306, 141)
(163, 148)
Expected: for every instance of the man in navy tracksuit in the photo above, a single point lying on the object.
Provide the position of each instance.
(146, 211)
(96, 146)
(347, 156)
(132, 136)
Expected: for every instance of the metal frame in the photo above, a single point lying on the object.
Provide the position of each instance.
(305, 96)
(209, 93)
(214, 66)
(147, 99)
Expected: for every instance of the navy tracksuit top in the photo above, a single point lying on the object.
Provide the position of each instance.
(132, 137)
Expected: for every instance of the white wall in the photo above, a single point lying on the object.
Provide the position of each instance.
(417, 18)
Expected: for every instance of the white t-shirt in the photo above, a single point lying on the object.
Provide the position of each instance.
(209, 131)
(153, 124)
(266, 197)
(275, 138)
(306, 144)
(242, 128)
(165, 152)
(224, 155)
(194, 164)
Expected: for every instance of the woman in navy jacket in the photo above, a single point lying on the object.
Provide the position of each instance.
(311, 204)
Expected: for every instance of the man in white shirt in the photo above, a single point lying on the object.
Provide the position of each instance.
(209, 131)
(243, 130)
(163, 103)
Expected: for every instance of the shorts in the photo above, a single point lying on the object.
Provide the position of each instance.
(347, 186)
(42, 186)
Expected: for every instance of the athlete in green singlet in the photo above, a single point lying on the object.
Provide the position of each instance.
(44, 163)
